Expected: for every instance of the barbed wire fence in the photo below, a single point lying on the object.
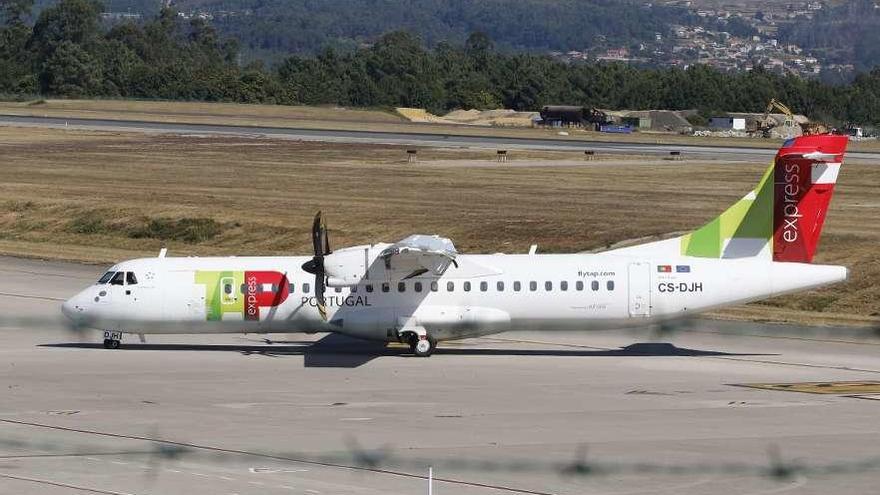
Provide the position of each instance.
(773, 465)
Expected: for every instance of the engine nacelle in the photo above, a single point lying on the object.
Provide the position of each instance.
(348, 266)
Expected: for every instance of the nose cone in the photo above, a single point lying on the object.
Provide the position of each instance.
(73, 308)
(68, 309)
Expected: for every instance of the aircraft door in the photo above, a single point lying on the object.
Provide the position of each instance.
(639, 286)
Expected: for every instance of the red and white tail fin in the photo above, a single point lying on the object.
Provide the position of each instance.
(780, 220)
(805, 171)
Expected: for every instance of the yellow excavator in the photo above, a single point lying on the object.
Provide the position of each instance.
(766, 123)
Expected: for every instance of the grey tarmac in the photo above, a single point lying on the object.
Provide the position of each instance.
(312, 414)
(427, 138)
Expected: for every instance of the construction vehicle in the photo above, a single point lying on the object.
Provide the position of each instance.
(766, 123)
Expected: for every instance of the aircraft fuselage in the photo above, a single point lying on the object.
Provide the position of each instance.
(483, 294)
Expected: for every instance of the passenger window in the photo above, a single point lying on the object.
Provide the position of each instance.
(467, 286)
(306, 288)
(579, 285)
(227, 289)
(354, 289)
(548, 285)
(369, 287)
(533, 286)
(290, 288)
(338, 289)
(106, 277)
(594, 285)
(385, 287)
(401, 286)
(500, 286)
(563, 285)
(434, 287)
(118, 279)
(517, 286)
(417, 286)
(610, 285)
(484, 286)
(450, 286)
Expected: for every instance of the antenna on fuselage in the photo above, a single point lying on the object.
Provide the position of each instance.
(533, 249)
(163, 252)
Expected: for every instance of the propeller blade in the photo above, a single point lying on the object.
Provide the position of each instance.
(319, 295)
(317, 230)
(315, 266)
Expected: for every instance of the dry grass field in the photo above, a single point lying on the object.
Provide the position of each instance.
(335, 118)
(102, 196)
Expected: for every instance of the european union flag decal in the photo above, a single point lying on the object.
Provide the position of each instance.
(682, 268)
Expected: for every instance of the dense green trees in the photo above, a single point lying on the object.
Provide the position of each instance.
(69, 52)
(307, 26)
(16, 75)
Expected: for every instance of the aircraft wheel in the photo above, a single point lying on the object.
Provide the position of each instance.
(107, 343)
(424, 347)
(114, 344)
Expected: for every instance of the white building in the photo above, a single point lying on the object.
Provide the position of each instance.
(728, 123)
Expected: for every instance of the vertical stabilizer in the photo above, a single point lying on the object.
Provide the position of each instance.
(806, 169)
(782, 218)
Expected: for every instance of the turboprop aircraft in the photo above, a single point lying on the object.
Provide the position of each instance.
(421, 290)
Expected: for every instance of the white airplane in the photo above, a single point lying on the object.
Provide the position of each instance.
(421, 290)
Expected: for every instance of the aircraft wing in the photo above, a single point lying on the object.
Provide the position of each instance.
(419, 254)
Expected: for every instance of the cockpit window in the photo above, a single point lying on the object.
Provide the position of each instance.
(118, 279)
(106, 277)
(130, 279)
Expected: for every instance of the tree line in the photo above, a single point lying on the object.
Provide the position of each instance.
(68, 51)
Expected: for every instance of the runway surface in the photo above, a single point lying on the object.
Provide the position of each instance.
(233, 414)
(402, 139)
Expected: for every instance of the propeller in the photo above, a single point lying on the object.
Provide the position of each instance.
(315, 266)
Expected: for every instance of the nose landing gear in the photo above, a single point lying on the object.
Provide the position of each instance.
(112, 340)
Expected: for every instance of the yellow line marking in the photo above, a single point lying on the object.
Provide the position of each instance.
(856, 387)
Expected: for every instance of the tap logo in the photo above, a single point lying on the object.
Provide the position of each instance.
(241, 294)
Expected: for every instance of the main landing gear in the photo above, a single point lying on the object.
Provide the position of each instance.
(112, 340)
(420, 343)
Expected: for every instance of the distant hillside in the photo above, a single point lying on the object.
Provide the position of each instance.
(273, 28)
(305, 25)
(843, 32)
